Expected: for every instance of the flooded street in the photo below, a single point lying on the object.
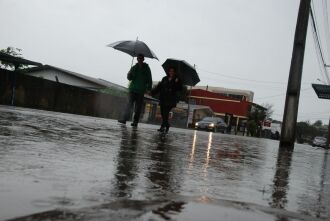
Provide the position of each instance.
(94, 168)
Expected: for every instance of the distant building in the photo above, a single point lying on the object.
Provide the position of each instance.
(196, 112)
(235, 111)
(229, 92)
(271, 129)
(233, 105)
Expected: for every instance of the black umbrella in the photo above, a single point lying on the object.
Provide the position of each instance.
(185, 72)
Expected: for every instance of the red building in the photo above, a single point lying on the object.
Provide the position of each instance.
(234, 110)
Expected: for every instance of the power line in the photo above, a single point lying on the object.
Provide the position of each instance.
(246, 84)
(318, 113)
(326, 25)
(238, 78)
(282, 94)
(317, 46)
(317, 42)
(315, 118)
(317, 32)
(242, 79)
(311, 117)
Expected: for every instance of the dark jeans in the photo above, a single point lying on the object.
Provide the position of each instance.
(137, 100)
(165, 111)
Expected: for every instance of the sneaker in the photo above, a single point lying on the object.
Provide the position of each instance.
(161, 129)
(134, 124)
(122, 121)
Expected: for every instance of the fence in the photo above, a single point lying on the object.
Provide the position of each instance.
(32, 92)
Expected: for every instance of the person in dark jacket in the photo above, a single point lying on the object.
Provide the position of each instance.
(140, 83)
(167, 89)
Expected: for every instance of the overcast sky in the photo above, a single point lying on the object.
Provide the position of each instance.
(227, 40)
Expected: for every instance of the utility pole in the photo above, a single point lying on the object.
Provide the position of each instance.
(328, 138)
(293, 89)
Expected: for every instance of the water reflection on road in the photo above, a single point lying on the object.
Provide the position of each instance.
(52, 160)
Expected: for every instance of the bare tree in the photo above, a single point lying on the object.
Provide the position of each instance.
(270, 109)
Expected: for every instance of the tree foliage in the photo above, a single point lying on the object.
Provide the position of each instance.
(318, 123)
(270, 109)
(16, 52)
(305, 131)
(254, 123)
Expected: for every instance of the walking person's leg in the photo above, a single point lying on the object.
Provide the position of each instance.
(166, 124)
(138, 106)
(128, 109)
(163, 114)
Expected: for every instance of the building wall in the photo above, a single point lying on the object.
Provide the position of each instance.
(63, 78)
(229, 92)
(220, 104)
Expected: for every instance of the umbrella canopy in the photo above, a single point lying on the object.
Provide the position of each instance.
(133, 48)
(185, 72)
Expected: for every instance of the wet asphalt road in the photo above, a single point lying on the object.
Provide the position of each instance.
(70, 167)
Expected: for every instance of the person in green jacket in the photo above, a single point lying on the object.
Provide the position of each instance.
(140, 83)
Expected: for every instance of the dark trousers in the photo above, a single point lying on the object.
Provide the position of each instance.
(165, 112)
(137, 100)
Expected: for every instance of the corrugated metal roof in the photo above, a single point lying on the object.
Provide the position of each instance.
(100, 82)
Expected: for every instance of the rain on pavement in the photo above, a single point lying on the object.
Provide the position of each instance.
(56, 166)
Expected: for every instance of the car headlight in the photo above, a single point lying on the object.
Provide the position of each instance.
(196, 124)
(211, 125)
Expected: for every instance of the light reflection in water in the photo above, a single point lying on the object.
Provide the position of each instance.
(209, 145)
(204, 199)
(192, 154)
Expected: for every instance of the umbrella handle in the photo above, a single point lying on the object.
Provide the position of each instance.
(134, 50)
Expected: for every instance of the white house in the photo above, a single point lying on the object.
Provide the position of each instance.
(71, 78)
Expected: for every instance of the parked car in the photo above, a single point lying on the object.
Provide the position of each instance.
(211, 124)
(319, 142)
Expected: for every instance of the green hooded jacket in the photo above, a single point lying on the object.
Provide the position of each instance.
(140, 78)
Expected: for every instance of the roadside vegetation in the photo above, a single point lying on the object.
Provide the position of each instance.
(306, 131)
